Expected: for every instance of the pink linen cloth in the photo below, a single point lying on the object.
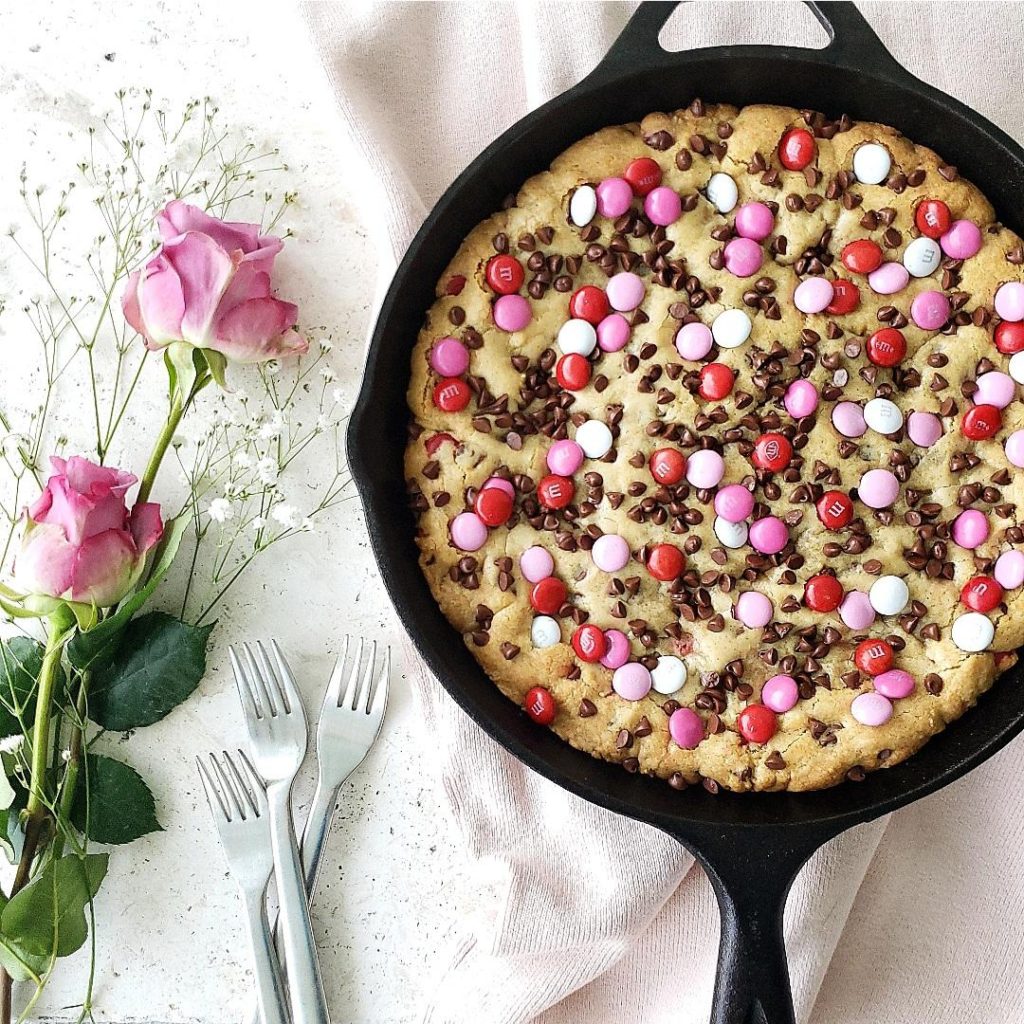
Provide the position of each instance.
(594, 917)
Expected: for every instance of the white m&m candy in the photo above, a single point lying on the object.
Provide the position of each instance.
(1016, 367)
(583, 206)
(577, 336)
(871, 163)
(888, 595)
(883, 416)
(722, 192)
(973, 632)
(545, 632)
(922, 256)
(731, 328)
(595, 438)
(669, 675)
(730, 535)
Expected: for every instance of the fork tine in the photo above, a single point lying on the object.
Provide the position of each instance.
(233, 797)
(263, 677)
(380, 694)
(214, 797)
(247, 692)
(366, 685)
(242, 787)
(285, 679)
(332, 698)
(348, 699)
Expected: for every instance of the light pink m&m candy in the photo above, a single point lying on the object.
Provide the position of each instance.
(780, 693)
(625, 291)
(469, 531)
(565, 457)
(512, 313)
(1014, 448)
(614, 196)
(686, 728)
(754, 610)
(962, 240)
(618, 649)
(871, 709)
(800, 399)
(813, 295)
(1009, 301)
(734, 503)
(694, 340)
(929, 310)
(449, 357)
(889, 278)
(610, 552)
(924, 428)
(536, 564)
(705, 469)
(501, 483)
(970, 528)
(1009, 569)
(895, 684)
(878, 488)
(754, 220)
(995, 388)
(848, 419)
(743, 257)
(663, 206)
(613, 333)
(856, 611)
(632, 681)
(768, 535)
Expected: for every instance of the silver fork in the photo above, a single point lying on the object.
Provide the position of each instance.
(277, 731)
(238, 804)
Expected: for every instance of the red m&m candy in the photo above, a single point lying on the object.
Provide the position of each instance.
(1009, 337)
(573, 371)
(981, 594)
(835, 509)
(861, 256)
(886, 347)
(505, 274)
(548, 595)
(772, 452)
(797, 149)
(643, 174)
(823, 593)
(845, 297)
(667, 466)
(590, 643)
(981, 422)
(716, 381)
(435, 441)
(555, 492)
(873, 656)
(665, 562)
(589, 303)
(933, 218)
(756, 723)
(451, 394)
(540, 705)
(493, 505)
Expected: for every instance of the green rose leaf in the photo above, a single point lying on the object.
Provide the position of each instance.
(47, 918)
(118, 805)
(20, 661)
(93, 646)
(158, 663)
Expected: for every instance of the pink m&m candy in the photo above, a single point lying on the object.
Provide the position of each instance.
(754, 610)
(705, 469)
(613, 333)
(610, 552)
(614, 196)
(1009, 570)
(536, 564)
(449, 357)
(856, 611)
(754, 220)
(970, 528)
(871, 709)
(686, 728)
(848, 419)
(889, 278)
(1014, 448)
(631, 681)
(743, 257)
(995, 388)
(768, 535)
(734, 503)
(895, 684)
(694, 340)
(813, 295)
(469, 531)
(780, 693)
(501, 483)
(962, 240)
(800, 399)
(1010, 301)
(878, 488)
(929, 310)
(565, 457)
(924, 428)
(625, 291)
(617, 653)
(663, 206)
(512, 313)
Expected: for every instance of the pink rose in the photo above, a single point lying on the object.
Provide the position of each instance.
(80, 542)
(209, 285)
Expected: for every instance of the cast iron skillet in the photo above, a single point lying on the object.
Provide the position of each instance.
(750, 845)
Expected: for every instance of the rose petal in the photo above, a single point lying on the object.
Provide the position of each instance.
(262, 258)
(130, 302)
(104, 569)
(146, 525)
(178, 217)
(87, 477)
(255, 331)
(205, 270)
(249, 282)
(161, 303)
(45, 562)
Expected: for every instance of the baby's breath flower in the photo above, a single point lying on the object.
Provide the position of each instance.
(11, 744)
(328, 374)
(267, 471)
(326, 345)
(286, 515)
(272, 367)
(257, 524)
(221, 510)
(336, 396)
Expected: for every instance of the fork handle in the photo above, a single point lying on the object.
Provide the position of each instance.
(305, 987)
(315, 832)
(269, 986)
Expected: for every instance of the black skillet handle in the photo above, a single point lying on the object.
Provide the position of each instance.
(751, 873)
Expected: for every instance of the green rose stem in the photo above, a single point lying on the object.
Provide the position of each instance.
(162, 443)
